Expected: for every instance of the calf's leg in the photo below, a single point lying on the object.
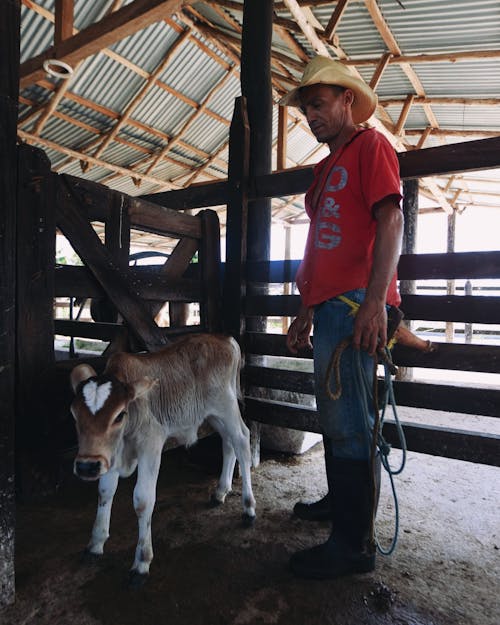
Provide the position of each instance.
(228, 462)
(144, 501)
(100, 532)
(240, 439)
(235, 444)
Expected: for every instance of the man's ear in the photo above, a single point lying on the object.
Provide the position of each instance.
(349, 96)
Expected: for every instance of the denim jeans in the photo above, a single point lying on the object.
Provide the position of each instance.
(347, 421)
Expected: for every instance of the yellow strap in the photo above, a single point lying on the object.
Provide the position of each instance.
(354, 305)
(354, 309)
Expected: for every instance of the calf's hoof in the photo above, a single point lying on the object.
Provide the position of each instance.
(214, 502)
(89, 557)
(248, 520)
(136, 579)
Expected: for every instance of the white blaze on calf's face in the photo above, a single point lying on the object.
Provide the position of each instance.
(95, 395)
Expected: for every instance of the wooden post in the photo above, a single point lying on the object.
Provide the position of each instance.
(236, 222)
(450, 284)
(407, 287)
(9, 92)
(256, 86)
(282, 138)
(209, 256)
(285, 321)
(36, 247)
(468, 333)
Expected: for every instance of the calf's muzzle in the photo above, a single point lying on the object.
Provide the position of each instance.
(88, 469)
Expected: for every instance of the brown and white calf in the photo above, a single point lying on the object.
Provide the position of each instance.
(124, 416)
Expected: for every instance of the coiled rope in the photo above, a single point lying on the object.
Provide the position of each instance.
(370, 393)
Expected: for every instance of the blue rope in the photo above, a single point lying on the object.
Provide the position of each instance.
(384, 447)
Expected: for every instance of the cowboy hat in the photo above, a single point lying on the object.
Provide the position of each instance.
(325, 71)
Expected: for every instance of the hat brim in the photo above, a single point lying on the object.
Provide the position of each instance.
(363, 107)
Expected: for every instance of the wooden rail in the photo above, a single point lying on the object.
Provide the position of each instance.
(453, 398)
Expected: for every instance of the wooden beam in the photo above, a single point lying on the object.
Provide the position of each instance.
(403, 116)
(63, 29)
(450, 132)
(442, 101)
(108, 31)
(137, 98)
(440, 57)
(448, 159)
(92, 160)
(86, 243)
(306, 27)
(335, 18)
(381, 67)
(450, 443)
(424, 136)
(189, 122)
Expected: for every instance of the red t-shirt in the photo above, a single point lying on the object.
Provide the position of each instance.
(340, 242)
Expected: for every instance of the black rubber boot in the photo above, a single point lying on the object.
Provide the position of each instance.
(318, 510)
(349, 549)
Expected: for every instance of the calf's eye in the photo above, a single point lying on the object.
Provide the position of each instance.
(120, 417)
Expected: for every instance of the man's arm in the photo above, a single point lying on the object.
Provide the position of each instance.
(299, 332)
(370, 326)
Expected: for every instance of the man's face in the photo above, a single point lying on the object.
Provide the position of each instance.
(326, 109)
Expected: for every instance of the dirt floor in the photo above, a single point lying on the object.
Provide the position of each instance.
(209, 570)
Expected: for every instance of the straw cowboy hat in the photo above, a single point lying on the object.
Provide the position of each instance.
(325, 71)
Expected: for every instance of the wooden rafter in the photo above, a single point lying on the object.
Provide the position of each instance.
(112, 28)
(395, 50)
(380, 69)
(63, 28)
(201, 109)
(405, 111)
(138, 97)
(297, 13)
(285, 68)
(335, 18)
(309, 32)
(75, 154)
(442, 101)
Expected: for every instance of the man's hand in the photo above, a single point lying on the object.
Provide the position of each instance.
(299, 332)
(370, 326)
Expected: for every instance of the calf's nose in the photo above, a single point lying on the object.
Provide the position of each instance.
(87, 470)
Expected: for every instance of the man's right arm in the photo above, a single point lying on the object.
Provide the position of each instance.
(299, 332)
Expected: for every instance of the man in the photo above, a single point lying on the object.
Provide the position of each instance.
(349, 264)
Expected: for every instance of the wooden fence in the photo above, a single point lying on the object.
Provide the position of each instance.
(449, 442)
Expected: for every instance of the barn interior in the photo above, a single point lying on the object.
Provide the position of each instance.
(152, 187)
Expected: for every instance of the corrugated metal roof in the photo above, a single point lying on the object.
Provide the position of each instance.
(106, 83)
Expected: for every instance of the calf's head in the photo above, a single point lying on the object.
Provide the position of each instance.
(100, 412)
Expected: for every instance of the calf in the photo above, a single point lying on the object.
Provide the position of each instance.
(124, 416)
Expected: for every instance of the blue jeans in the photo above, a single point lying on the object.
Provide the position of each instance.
(347, 421)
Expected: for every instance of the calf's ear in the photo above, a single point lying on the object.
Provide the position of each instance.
(141, 387)
(80, 374)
